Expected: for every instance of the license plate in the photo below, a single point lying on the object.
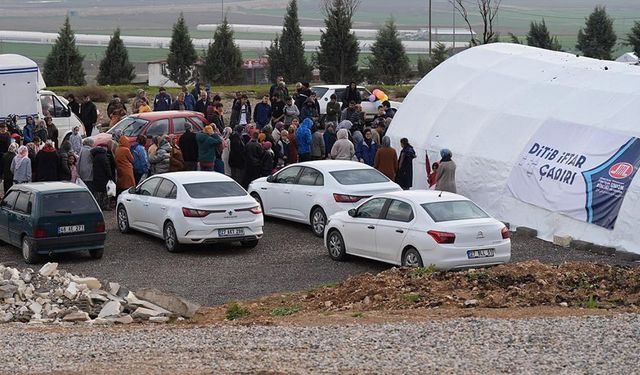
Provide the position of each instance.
(482, 253)
(233, 232)
(71, 229)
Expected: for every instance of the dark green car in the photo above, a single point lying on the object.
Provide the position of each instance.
(51, 217)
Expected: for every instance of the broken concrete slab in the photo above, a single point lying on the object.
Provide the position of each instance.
(110, 308)
(562, 240)
(78, 316)
(169, 301)
(144, 313)
(49, 269)
(90, 282)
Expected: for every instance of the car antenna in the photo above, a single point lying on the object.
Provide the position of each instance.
(440, 195)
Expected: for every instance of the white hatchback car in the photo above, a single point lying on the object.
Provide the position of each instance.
(418, 228)
(310, 192)
(191, 208)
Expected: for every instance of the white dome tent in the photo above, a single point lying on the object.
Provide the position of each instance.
(491, 105)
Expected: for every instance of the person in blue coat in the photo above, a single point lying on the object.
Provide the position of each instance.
(162, 101)
(366, 150)
(189, 99)
(140, 159)
(304, 139)
(262, 113)
(28, 132)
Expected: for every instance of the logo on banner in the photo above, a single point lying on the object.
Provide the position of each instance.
(621, 170)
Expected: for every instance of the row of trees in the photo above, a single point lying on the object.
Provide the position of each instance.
(338, 55)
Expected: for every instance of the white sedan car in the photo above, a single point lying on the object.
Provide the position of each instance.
(419, 228)
(370, 109)
(310, 192)
(191, 208)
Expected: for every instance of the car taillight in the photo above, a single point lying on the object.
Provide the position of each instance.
(39, 233)
(505, 233)
(190, 212)
(344, 198)
(442, 237)
(100, 228)
(256, 210)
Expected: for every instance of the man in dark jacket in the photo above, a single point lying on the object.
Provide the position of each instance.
(63, 157)
(101, 175)
(262, 113)
(277, 109)
(351, 94)
(217, 117)
(52, 131)
(162, 101)
(201, 104)
(279, 88)
(74, 106)
(236, 154)
(189, 146)
(241, 111)
(88, 115)
(253, 160)
(47, 164)
(5, 139)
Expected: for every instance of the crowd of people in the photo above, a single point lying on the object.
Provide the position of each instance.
(279, 130)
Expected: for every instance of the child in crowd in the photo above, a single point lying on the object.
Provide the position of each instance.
(71, 160)
(431, 179)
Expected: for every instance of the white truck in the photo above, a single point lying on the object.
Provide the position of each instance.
(22, 93)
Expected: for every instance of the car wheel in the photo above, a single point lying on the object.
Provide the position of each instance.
(249, 244)
(318, 221)
(257, 198)
(411, 258)
(28, 254)
(171, 238)
(96, 253)
(335, 245)
(123, 220)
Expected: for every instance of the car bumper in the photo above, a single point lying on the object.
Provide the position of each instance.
(447, 258)
(81, 242)
(202, 233)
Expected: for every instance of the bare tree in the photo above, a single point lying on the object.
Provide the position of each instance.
(488, 10)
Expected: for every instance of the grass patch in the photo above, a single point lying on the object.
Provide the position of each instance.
(412, 297)
(424, 271)
(285, 311)
(477, 275)
(590, 303)
(357, 315)
(235, 311)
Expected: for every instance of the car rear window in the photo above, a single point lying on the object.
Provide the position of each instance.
(76, 202)
(130, 126)
(203, 190)
(454, 210)
(359, 177)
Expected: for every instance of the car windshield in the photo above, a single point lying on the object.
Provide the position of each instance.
(454, 210)
(203, 190)
(359, 177)
(75, 202)
(130, 126)
(320, 91)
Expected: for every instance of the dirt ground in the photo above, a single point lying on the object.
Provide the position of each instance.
(518, 290)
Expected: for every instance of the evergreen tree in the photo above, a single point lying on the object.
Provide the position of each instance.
(115, 68)
(633, 38)
(223, 61)
(438, 55)
(276, 60)
(182, 54)
(296, 68)
(338, 53)
(597, 39)
(63, 66)
(540, 37)
(389, 62)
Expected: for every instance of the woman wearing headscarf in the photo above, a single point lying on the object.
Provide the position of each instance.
(293, 144)
(47, 164)
(63, 157)
(446, 173)
(5, 164)
(386, 160)
(226, 134)
(236, 154)
(161, 161)
(21, 166)
(124, 166)
(176, 163)
(404, 178)
(343, 148)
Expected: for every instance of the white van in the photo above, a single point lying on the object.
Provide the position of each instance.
(22, 93)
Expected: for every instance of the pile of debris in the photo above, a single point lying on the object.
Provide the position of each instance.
(56, 296)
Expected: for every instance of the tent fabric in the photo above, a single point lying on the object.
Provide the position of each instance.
(629, 58)
(12, 64)
(485, 104)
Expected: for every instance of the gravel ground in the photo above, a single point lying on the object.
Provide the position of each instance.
(289, 258)
(570, 345)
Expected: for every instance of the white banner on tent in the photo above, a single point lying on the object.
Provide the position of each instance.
(576, 170)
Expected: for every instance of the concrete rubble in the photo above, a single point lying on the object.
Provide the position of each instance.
(54, 296)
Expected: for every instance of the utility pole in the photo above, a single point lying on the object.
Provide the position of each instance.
(454, 25)
(222, 14)
(430, 41)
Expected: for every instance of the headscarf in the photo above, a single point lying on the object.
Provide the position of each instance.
(386, 141)
(446, 154)
(343, 134)
(227, 132)
(13, 148)
(357, 137)
(345, 124)
(279, 125)
(262, 137)
(23, 153)
(267, 130)
(266, 145)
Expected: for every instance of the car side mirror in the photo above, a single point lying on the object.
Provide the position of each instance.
(271, 178)
(133, 190)
(352, 212)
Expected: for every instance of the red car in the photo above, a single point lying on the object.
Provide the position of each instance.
(153, 124)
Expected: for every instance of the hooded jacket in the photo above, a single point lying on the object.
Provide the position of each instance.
(162, 159)
(207, 145)
(236, 150)
(101, 169)
(189, 146)
(63, 157)
(367, 153)
(47, 164)
(140, 159)
(343, 148)
(85, 164)
(304, 137)
(124, 164)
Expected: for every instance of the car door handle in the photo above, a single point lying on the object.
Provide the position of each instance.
(309, 194)
(371, 227)
(263, 188)
(146, 204)
(128, 200)
(287, 191)
(163, 208)
(399, 231)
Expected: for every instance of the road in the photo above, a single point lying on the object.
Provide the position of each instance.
(289, 258)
